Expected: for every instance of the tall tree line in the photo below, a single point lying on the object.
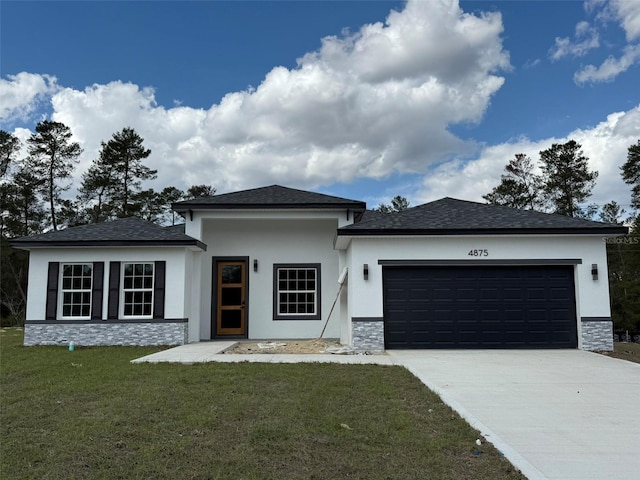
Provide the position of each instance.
(563, 186)
(32, 188)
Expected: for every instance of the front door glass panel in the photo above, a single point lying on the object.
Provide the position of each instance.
(230, 319)
(231, 274)
(231, 296)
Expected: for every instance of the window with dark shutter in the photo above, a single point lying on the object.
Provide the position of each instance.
(158, 290)
(114, 291)
(96, 291)
(76, 290)
(52, 291)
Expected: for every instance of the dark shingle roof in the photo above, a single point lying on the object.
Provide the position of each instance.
(121, 232)
(369, 215)
(176, 228)
(271, 197)
(460, 217)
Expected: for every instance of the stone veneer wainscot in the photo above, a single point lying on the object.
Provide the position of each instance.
(119, 332)
(368, 334)
(597, 334)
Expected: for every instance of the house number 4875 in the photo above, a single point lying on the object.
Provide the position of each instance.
(479, 253)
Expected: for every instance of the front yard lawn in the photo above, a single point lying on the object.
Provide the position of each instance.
(92, 414)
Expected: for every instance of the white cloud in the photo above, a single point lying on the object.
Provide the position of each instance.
(20, 94)
(591, 6)
(627, 12)
(585, 39)
(367, 104)
(610, 68)
(605, 145)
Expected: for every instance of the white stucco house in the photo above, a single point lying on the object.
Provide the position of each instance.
(266, 263)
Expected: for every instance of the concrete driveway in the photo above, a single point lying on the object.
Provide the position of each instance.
(556, 414)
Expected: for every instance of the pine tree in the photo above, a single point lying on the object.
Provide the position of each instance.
(519, 186)
(631, 173)
(166, 198)
(52, 156)
(146, 205)
(398, 204)
(9, 147)
(566, 179)
(25, 214)
(22, 214)
(612, 212)
(94, 192)
(198, 191)
(122, 158)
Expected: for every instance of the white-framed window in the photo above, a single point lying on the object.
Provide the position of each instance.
(76, 281)
(297, 291)
(137, 289)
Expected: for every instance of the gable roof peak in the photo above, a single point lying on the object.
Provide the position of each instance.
(269, 197)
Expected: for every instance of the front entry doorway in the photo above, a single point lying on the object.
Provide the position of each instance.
(230, 296)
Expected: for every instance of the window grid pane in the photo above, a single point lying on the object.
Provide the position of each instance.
(138, 289)
(77, 280)
(296, 291)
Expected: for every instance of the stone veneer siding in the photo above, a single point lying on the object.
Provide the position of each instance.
(119, 333)
(597, 335)
(367, 334)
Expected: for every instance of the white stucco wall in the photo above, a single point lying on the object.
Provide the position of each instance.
(365, 296)
(175, 259)
(271, 238)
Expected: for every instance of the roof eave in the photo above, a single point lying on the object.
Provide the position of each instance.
(27, 245)
(608, 231)
(183, 208)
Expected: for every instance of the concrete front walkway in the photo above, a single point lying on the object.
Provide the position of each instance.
(555, 414)
(214, 352)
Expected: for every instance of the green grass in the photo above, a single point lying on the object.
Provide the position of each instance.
(626, 351)
(92, 414)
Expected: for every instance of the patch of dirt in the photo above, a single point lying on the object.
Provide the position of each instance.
(625, 351)
(283, 346)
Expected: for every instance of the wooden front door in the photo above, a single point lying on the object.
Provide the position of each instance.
(231, 294)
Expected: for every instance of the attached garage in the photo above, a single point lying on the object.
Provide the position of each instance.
(525, 306)
(453, 274)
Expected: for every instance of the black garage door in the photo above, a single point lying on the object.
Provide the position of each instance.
(479, 307)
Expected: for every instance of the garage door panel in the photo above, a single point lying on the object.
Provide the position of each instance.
(479, 307)
(514, 316)
(463, 294)
(559, 293)
(511, 294)
(489, 293)
(536, 293)
(467, 316)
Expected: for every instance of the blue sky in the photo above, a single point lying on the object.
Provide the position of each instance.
(337, 97)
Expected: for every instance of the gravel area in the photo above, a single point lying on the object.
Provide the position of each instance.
(284, 346)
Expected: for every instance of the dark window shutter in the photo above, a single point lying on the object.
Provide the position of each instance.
(158, 289)
(96, 291)
(114, 290)
(52, 291)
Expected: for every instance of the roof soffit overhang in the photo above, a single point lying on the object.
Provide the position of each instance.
(344, 236)
(195, 245)
(599, 231)
(352, 216)
(351, 206)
